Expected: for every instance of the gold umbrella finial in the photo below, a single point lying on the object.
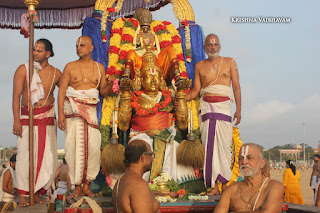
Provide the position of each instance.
(31, 4)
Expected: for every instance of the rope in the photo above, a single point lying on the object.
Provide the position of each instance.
(7, 205)
(92, 203)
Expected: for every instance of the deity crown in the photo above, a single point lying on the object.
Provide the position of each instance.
(144, 16)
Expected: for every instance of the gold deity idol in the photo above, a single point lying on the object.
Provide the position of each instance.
(151, 100)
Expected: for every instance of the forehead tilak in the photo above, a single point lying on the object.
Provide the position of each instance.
(244, 151)
(79, 41)
(36, 47)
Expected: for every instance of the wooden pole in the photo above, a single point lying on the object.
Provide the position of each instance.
(31, 145)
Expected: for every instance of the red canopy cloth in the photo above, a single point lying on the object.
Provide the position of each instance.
(64, 14)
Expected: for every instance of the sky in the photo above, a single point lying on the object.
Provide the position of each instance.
(277, 62)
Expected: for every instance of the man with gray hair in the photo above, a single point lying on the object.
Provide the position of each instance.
(213, 79)
(256, 192)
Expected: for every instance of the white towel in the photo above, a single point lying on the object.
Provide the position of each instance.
(37, 92)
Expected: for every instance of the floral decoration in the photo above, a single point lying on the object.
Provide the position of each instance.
(169, 36)
(121, 31)
(165, 101)
(194, 104)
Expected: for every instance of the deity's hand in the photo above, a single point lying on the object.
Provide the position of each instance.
(125, 84)
(183, 84)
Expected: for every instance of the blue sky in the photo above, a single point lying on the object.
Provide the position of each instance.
(279, 73)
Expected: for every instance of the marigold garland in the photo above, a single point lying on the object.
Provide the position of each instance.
(165, 101)
(237, 143)
(195, 110)
(107, 108)
(121, 31)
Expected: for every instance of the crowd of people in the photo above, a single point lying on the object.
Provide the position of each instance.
(217, 82)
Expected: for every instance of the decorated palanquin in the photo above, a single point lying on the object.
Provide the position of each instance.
(135, 51)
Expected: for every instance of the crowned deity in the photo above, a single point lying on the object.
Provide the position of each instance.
(152, 110)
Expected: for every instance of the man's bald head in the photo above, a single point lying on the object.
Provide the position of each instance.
(84, 46)
(85, 39)
(212, 46)
(251, 159)
(134, 151)
(245, 147)
(211, 36)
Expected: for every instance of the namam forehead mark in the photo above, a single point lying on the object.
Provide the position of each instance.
(37, 46)
(152, 71)
(213, 39)
(244, 151)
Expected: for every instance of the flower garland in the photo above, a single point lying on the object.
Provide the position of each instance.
(235, 147)
(237, 143)
(158, 106)
(195, 110)
(187, 35)
(161, 178)
(107, 108)
(121, 31)
(167, 36)
(104, 18)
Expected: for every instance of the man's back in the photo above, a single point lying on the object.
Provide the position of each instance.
(132, 194)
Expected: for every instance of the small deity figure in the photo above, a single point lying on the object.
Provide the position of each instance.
(145, 38)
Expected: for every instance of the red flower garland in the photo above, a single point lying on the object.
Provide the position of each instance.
(123, 54)
(159, 27)
(166, 23)
(176, 39)
(161, 105)
(111, 70)
(134, 22)
(114, 49)
(119, 31)
(127, 37)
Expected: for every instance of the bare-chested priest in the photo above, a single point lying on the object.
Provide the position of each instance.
(213, 78)
(77, 100)
(256, 193)
(45, 79)
(132, 193)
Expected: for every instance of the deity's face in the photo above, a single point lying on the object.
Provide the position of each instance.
(39, 52)
(145, 28)
(212, 46)
(151, 80)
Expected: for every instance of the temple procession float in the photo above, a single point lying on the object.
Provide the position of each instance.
(153, 62)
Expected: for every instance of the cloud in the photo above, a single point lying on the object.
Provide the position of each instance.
(266, 111)
(277, 122)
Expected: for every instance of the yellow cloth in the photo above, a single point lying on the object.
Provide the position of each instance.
(292, 187)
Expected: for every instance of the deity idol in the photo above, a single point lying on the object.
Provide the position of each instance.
(150, 107)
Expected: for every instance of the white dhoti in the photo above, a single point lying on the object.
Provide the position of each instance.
(45, 150)
(315, 182)
(83, 139)
(216, 136)
(4, 196)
